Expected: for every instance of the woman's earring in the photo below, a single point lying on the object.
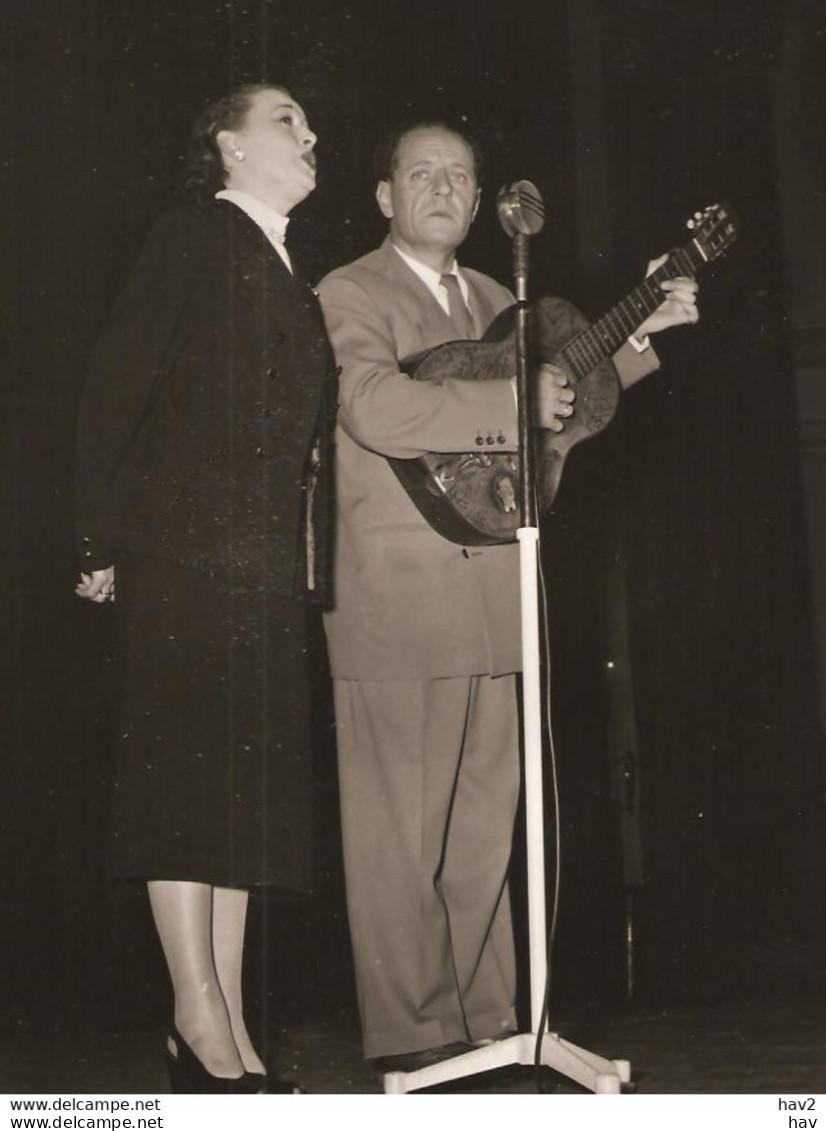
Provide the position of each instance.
(238, 154)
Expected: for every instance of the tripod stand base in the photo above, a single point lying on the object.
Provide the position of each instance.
(586, 1068)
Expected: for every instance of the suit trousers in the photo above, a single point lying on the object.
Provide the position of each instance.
(429, 779)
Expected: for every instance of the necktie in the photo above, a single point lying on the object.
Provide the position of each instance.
(459, 313)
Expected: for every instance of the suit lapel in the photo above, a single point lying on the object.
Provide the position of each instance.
(291, 286)
(482, 311)
(422, 297)
(259, 245)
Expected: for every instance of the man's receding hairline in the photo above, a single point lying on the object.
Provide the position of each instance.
(424, 127)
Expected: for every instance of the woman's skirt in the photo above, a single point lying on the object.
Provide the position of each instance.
(214, 774)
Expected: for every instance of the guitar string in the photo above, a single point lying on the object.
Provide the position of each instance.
(602, 338)
(605, 336)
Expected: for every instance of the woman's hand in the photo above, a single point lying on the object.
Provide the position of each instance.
(98, 586)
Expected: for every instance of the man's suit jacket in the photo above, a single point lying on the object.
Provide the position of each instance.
(410, 604)
(204, 396)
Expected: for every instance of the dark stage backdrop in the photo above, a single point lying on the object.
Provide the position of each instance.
(629, 116)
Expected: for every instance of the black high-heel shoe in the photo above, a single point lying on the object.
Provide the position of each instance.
(259, 1082)
(285, 1087)
(189, 1076)
(274, 1085)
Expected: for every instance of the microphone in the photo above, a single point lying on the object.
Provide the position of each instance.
(520, 209)
(521, 213)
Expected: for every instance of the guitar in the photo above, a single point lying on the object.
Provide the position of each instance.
(471, 498)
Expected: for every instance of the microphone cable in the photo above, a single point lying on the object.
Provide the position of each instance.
(554, 793)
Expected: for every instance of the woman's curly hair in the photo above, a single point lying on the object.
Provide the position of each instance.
(205, 173)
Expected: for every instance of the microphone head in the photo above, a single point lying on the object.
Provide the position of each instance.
(520, 209)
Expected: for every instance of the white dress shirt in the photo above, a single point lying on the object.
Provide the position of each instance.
(433, 279)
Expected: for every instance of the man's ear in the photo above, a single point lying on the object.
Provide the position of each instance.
(384, 198)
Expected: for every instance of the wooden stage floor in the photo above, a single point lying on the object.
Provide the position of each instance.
(739, 1047)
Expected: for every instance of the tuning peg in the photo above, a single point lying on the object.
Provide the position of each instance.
(697, 219)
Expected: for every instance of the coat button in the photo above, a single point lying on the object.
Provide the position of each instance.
(480, 440)
(489, 440)
(272, 372)
(500, 439)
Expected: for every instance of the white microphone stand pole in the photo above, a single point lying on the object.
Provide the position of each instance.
(521, 213)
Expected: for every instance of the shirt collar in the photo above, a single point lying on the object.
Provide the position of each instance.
(428, 275)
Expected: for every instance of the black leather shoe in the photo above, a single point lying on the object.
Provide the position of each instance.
(412, 1061)
(272, 1085)
(188, 1075)
(284, 1087)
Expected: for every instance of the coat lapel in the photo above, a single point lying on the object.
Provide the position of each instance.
(482, 311)
(421, 297)
(257, 245)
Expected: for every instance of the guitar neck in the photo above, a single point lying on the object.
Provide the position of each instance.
(604, 337)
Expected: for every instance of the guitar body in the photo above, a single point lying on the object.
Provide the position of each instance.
(472, 498)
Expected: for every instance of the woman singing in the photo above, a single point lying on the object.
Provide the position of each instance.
(203, 486)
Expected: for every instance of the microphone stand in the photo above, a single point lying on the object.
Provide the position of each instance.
(522, 215)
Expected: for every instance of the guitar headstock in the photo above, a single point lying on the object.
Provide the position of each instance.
(713, 230)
